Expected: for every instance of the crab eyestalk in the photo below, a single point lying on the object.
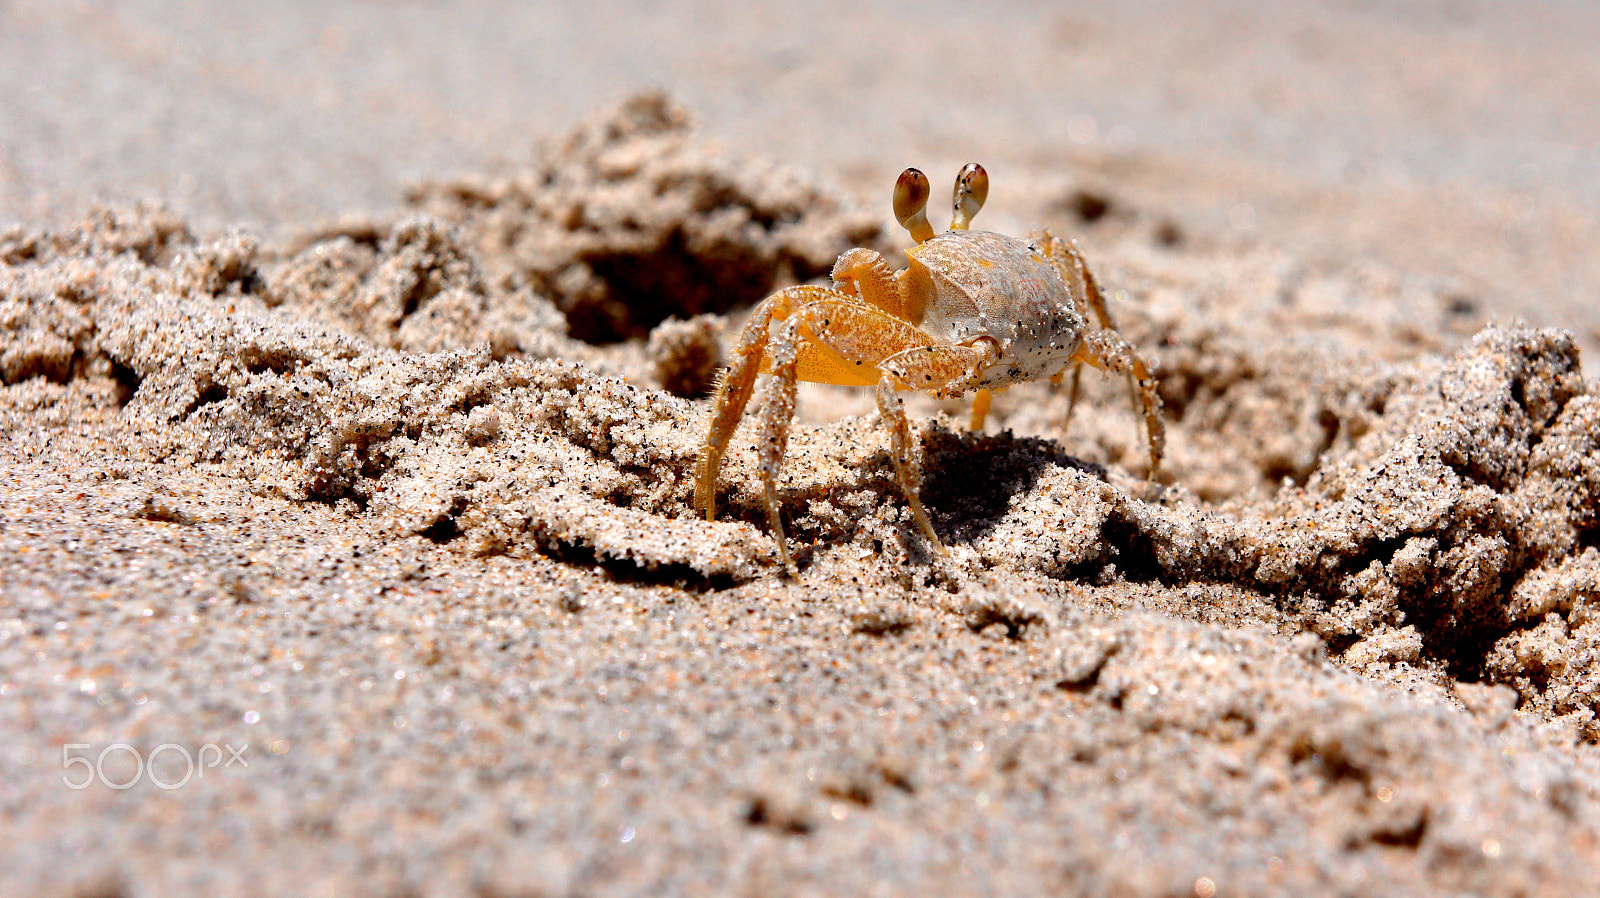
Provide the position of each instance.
(972, 188)
(911, 194)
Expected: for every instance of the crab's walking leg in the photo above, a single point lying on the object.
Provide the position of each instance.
(1082, 284)
(832, 338)
(1074, 390)
(1067, 254)
(936, 368)
(982, 400)
(1107, 349)
(776, 419)
(735, 386)
(980, 409)
(1096, 300)
(906, 452)
(836, 339)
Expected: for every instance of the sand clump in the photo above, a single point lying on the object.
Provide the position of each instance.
(500, 379)
(630, 221)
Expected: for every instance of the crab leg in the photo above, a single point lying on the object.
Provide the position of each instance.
(776, 419)
(842, 342)
(980, 409)
(1141, 386)
(1080, 278)
(1108, 350)
(1081, 284)
(936, 368)
(860, 338)
(737, 383)
(905, 449)
(981, 402)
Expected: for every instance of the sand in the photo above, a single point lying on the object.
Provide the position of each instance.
(387, 515)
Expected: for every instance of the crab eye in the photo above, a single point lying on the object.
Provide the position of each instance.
(911, 194)
(972, 188)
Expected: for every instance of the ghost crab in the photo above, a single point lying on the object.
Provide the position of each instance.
(972, 311)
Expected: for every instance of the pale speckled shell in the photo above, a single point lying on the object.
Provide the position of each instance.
(992, 285)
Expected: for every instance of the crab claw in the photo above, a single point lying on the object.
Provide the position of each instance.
(911, 194)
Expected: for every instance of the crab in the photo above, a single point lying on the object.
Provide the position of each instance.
(973, 311)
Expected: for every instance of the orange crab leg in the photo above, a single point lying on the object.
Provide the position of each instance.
(872, 340)
(1108, 350)
(735, 386)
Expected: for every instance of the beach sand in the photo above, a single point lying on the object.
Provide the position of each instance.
(391, 509)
